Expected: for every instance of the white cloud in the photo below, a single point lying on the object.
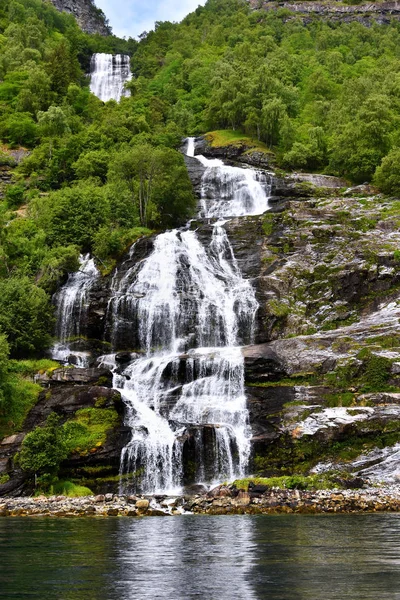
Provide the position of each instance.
(132, 17)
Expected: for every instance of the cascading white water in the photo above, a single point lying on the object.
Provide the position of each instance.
(72, 306)
(231, 191)
(193, 310)
(109, 73)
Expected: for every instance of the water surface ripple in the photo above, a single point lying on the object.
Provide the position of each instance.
(354, 557)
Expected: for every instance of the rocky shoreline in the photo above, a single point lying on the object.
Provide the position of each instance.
(221, 501)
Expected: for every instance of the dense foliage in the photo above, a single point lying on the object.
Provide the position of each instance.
(94, 177)
(324, 96)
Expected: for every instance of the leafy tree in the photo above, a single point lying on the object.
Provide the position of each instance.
(73, 215)
(387, 175)
(35, 94)
(158, 184)
(44, 448)
(92, 164)
(26, 316)
(19, 130)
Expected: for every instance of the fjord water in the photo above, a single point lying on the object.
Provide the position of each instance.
(346, 557)
(108, 75)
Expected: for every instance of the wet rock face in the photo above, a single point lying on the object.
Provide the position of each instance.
(90, 18)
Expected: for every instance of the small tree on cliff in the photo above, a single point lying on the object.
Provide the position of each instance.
(44, 448)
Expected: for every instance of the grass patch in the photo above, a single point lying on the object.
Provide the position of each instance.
(29, 368)
(229, 137)
(67, 488)
(21, 396)
(87, 432)
(290, 482)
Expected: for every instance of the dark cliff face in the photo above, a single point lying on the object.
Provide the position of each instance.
(367, 13)
(90, 18)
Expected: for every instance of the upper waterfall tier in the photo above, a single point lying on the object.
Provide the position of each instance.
(108, 75)
(228, 191)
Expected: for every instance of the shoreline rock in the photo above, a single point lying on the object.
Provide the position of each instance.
(216, 502)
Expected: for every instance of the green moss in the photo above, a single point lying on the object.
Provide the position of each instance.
(386, 341)
(344, 399)
(268, 224)
(4, 479)
(278, 308)
(299, 482)
(87, 432)
(376, 374)
(304, 379)
(70, 489)
(229, 137)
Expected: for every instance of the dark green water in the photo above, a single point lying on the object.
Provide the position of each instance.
(355, 557)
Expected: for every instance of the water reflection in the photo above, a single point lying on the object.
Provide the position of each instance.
(346, 557)
(187, 557)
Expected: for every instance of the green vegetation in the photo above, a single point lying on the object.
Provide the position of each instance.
(17, 394)
(44, 448)
(68, 488)
(226, 137)
(373, 375)
(326, 481)
(322, 96)
(88, 430)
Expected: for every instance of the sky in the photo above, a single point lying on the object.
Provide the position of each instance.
(129, 18)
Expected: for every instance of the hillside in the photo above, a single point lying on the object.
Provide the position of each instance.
(313, 105)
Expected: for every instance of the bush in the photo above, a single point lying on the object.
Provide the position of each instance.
(44, 448)
(6, 160)
(19, 130)
(15, 195)
(26, 316)
(74, 215)
(387, 175)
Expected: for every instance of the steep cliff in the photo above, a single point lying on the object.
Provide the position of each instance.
(90, 18)
(365, 13)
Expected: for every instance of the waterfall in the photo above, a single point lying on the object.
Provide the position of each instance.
(191, 310)
(228, 191)
(109, 73)
(72, 306)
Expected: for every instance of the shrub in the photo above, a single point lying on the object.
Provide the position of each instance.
(387, 175)
(15, 195)
(44, 448)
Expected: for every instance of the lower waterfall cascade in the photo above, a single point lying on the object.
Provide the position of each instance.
(108, 75)
(189, 310)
